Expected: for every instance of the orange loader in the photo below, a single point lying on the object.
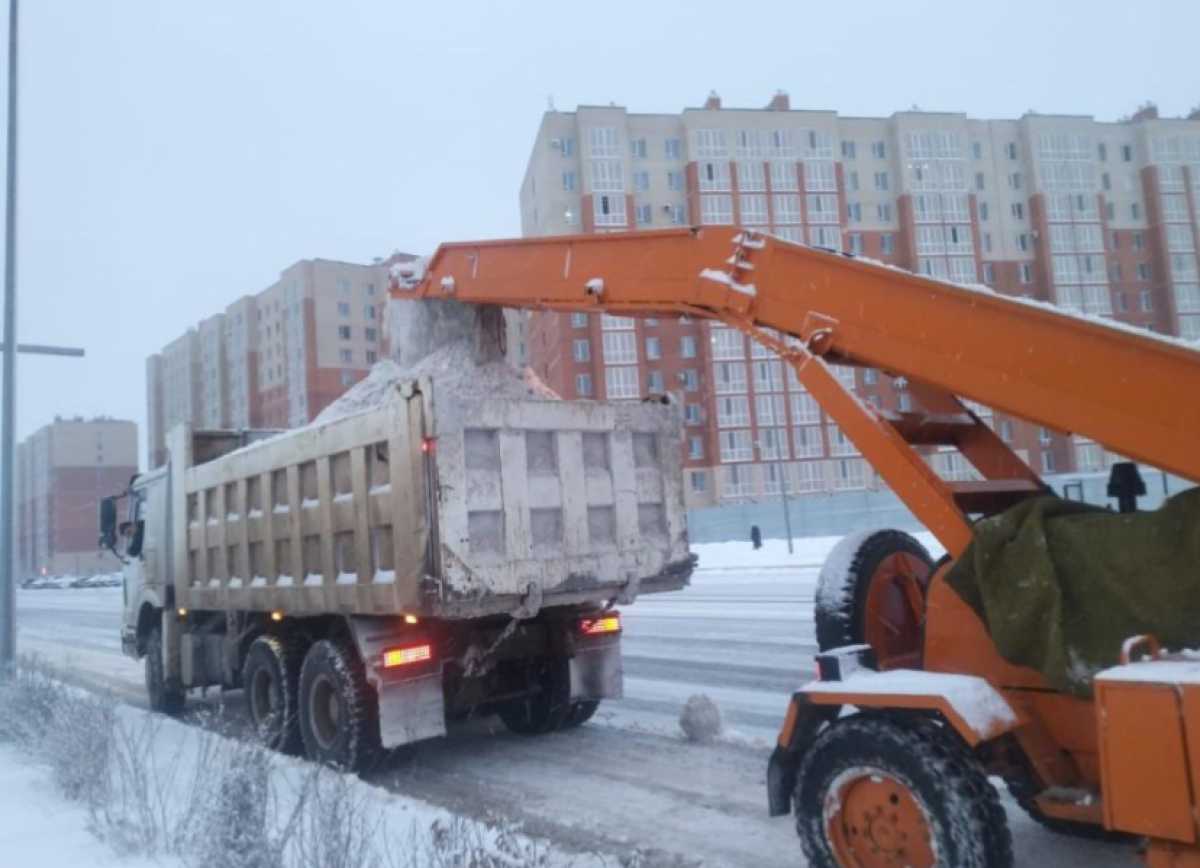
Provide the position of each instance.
(885, 759)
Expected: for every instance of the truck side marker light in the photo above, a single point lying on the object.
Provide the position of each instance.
(600, 626)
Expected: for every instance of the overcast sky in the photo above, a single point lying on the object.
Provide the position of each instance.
(176, 155)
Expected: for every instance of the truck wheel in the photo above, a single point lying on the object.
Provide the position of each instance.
(339, 713)
(548, 707)
(872, 590)
(581, 712)
(1023, 790)
(166, 697)
(271, 679)
(875, 792)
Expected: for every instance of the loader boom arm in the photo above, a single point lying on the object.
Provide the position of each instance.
(1133, 392)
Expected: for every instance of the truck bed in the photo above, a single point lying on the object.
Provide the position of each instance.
(439, 506)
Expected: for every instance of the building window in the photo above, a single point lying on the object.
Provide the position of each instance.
(343, 309)
(1139, 240)
(347, 356)
(854, 212)
(989, 273)
(855, 243)
(716, 210)
(644, 215)
(674, 180)
(654, 382)
(784, 177)
(583, 385)
(568, 147)
(1018, 210)
(344, 332)
(1143, 271)
(1127, 153)
(881, 180)
(1026, 273)
(696, 452)
(693, 414)
(852, 181)
(372, 357)
(653, 348)
(884, 212)
(609, 210)
(691, 380)
(678, 217)
(568, 181)
(714, 177)
(787, 208)
(1145, 300)
(637, 147)
(754, 210)
(369, 311)
(1014, 180)
(687, 347)
(603, 142)
(673, 149)
(581, 349)
(621, 382)
(977, 151)
(1011, 150)
(736, 446)
(371, 334)
(887, 243)
(579, 320)
(347, 378)
(641, 181)
(848, 149)
(620, 348)
(879, 150)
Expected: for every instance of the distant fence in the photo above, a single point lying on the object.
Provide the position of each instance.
(836, 513)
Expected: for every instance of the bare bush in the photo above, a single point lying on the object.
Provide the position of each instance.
(464, 843)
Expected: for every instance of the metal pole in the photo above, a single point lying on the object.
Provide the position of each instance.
(8, 590)
(787, 514)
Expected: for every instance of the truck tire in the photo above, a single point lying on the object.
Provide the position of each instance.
(339, 712)
(872, 591)
(581, 712)
(271, 680)
(1023, 791)
(168, 698)
(875, 791)
(548, 707)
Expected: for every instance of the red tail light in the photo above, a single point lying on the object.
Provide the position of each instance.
(394, 657)
(608, 623)
(427, 444)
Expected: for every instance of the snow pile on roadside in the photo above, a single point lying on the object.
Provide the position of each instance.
(154, 788)
(700, 719)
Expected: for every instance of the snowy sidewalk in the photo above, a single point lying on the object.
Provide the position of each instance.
(39, 827)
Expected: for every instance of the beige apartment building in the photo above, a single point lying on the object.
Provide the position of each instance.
(274, 359)
(1099, 217)
(62, 472)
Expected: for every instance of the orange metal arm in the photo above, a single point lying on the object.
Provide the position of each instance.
(1131, 392)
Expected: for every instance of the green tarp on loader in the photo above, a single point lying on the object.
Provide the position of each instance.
(1061, 585)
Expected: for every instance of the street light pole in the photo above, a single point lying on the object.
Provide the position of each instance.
(779, 471)
(8, 588)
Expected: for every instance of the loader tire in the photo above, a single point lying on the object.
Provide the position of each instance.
(548, 706)
(872, 591)
(165, 696)
(878, 791)
(339, 711)
(271, 680)
(1023, 792)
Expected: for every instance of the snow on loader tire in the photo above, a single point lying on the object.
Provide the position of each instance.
(339, 712)
(872, 591)
(877, 791)
(165, 697)
(271, 679)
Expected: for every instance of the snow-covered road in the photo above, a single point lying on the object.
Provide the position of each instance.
(742, 634)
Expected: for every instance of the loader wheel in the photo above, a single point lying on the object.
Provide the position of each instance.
(339, 712)
(271, 678)
(549, 705)
(878, 793)
(1023, 791)
(166, 697)
(872, 590)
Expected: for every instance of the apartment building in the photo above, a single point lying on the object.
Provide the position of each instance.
(1097, 217)
(274, 359)
(62, 472)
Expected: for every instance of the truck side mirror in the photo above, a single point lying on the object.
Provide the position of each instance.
(108, 523)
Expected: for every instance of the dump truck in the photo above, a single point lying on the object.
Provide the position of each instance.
(922, 695)
(435, 555)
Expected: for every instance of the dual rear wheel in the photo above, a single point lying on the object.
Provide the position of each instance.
(318, 701)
